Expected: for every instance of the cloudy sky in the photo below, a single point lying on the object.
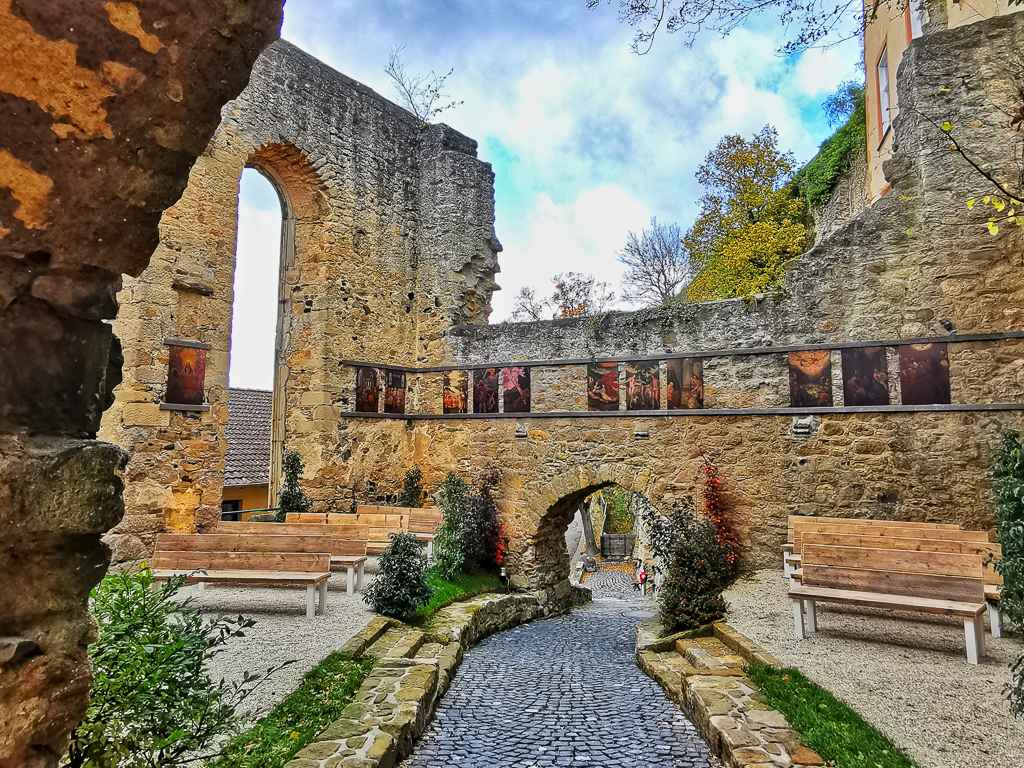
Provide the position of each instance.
(588, 140)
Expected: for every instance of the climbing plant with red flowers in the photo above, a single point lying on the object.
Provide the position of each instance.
(716, 511)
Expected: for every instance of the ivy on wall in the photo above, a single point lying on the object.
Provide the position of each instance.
(819, 177)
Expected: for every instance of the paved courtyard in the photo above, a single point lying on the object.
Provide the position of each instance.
(562, 692)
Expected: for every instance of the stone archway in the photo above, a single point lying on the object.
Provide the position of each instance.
(543, 561)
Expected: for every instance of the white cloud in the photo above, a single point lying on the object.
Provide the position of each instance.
(580, 236)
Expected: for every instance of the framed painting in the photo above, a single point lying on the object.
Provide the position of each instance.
(685, 383)
(642, 382)
(394, 391)
(186, 376)
(924, 374)
(810, 378)
(485, 390)
(456, 392)
(865, 376)
(515, 385)
(367, 390)
(603, 386)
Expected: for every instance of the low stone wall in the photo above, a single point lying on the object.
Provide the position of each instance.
(702, 671)
(414, 668)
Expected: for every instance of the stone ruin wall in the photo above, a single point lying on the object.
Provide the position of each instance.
(898, 270)
(894, 271)
(393, 242)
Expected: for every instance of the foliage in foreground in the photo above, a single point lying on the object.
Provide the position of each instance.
(401, 587)
(153, 704)
(470, 538)
(1008, 490)
(691, 594)
(292, 724)
(750, 225)
(292, 499)
(618, 518)
(824, 723)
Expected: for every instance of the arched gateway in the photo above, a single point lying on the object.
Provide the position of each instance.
(392, 269)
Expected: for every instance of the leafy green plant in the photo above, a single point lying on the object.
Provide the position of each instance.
(453, 501)
(412, 489)
(295, 722)
(400, 587)
(618, 520)
(691, 595)
(152, 703)
(819, 177)
(448, 591)
(292, 499)
(825, 724)
(1008, 491)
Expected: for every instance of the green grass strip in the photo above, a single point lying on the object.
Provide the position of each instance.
(824, 723)
(448, 591)
(295, 722)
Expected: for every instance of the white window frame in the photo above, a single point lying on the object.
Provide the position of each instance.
(884, 103)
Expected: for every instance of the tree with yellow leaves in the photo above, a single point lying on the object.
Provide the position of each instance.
(751, 224)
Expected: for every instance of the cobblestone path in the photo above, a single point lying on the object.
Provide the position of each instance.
(561, 692)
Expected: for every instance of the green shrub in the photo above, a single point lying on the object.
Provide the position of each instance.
(400, 587)
(447, 591)
(820, 175)
(292, 499)
(452, 500)
(691, 594)
(152, 702)
(1008, 490)
(295, 722)
(412, 489)
(619, 520)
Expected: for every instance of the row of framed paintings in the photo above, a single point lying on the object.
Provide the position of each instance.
(923, 376)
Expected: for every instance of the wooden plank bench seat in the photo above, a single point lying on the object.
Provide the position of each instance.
(348, 543)
(246, 559)
(937, 583)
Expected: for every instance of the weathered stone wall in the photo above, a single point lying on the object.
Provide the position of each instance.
(103, 109)
(392, 242)
(904, 268)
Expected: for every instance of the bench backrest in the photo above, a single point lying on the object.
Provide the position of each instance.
(379, 526)
(306, 517)
(796, 521)
(937, 575)
(889, 531)
(424, 520)
(229, 552)
(345, 539)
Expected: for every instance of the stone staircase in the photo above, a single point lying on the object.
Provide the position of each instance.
(705, 677)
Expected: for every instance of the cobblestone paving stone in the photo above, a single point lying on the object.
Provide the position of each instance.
(564, 691)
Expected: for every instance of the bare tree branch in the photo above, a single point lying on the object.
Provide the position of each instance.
(657, 265)
(420, 94)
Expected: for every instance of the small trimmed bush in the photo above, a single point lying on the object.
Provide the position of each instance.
(691, 595)
(401, 587)
(452, 499)
(412, 489)
(292, 499)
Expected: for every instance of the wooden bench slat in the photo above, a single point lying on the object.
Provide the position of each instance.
(936, 606)
(899, 560)
(932, 586)
(243, 576)
(231, 542)
(298, 562)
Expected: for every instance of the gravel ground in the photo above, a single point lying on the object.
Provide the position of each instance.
(906, 674)
(282, 632)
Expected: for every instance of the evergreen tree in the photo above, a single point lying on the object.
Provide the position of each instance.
(291, 499)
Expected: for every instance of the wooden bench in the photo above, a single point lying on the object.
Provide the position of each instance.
(380, 524)
(423, 524)
(348, 543)
(247, 559)
(958, 542)
(937, 583)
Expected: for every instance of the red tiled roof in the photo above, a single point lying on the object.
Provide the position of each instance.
(248, 435)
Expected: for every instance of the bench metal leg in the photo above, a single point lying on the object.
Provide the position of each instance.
(974, 634)
(786, 567)
(430, 551)
(310, 601)
(798, 619)
(995, 618)
(202, 585)
(322, 589)
(812, 615)
(350, 580)
(359, 577)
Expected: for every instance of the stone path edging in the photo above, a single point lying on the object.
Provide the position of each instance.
(702, 671)
(414, 667)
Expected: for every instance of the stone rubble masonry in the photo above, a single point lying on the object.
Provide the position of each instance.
(105, 107)
(388, 240)
(413, 670)
(386, 211)
(702, 671)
